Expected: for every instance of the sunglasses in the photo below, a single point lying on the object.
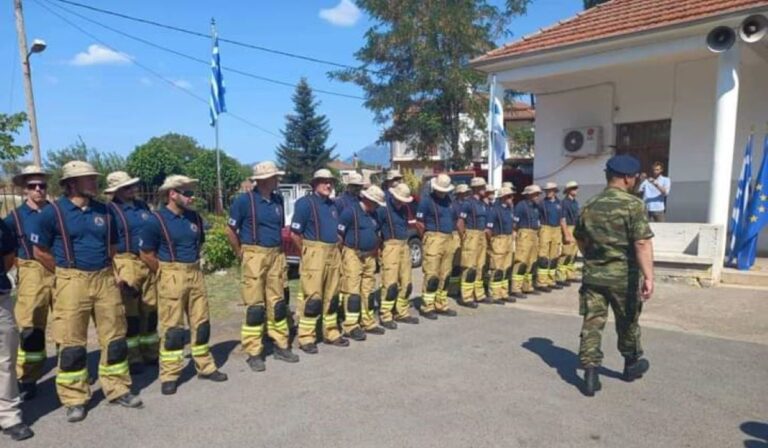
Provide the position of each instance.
(186, 193)
(35, 186)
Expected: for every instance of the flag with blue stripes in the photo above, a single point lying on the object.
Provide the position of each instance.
(500, 144)
(756, 217)
(217, 104)
(741, 201)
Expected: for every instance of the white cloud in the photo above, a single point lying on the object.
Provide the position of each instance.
(99, 55)
(183, 84)
(145, 81)
(345, 13)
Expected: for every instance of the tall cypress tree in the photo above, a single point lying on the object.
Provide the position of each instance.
(591, 3)
(306, 133)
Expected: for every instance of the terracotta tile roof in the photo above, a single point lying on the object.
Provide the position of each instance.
(519, 111)
(619, 17)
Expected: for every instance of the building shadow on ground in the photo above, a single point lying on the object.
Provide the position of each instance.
(564, 361)
(758, 433)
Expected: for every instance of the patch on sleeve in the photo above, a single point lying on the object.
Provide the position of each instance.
(296, 226)
(232, 222)
(463, 215)
(35, 238)
(341, 227)
(420, 214)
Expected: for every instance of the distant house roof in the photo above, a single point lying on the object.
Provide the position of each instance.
(617, 18)
(519, 111)
(341, 166)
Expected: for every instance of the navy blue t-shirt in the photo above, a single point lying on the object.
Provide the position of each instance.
(474, 212)
(390, 217)
(551, 212)
(316, 219)
(570, 211)
(133, 216)
(344, 200)
(526, 216)
(500, 220)
(87, 229)
(437, 214)
(359, 229)
(267, 213)
(184, 231)
(21, 231)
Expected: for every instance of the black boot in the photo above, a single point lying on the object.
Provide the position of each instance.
(18, 432)
(168, 387)
(256, 363)
(431, 315)
(285, 354)
(216, 377)
(389, 324)
(635, 368)
(591, 381)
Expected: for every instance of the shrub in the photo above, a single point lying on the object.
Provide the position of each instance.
(217, 253)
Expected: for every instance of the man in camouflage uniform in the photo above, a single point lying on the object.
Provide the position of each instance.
(614, 236)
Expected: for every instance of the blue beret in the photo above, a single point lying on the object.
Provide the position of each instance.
(623, 164)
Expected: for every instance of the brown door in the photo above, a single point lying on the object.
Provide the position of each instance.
(647, 140)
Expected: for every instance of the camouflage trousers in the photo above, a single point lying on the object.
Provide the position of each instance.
(593, 305)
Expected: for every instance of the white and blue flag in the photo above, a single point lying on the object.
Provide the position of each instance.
(217, 104)
(499, 143)
(738, 220)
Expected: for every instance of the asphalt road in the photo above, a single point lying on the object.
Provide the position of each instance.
(496, 376)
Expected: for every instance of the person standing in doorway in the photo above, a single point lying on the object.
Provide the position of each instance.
(655, 190)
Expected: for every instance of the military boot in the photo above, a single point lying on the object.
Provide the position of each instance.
(591, 381)
(635, 368)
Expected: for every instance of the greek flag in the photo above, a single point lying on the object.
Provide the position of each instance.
(743, 193)
(216, 102)
(756, 218)
(499, 142)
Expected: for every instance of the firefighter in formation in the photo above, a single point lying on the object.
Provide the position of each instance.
(136, 271)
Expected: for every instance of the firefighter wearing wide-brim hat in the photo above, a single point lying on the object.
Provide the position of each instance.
(512, 237)
(438, 216)
(471, 225)
(314, 232)
(138, 284)
(256, 220)
(500, 227)
(566, 265)
(354, 185)
(79, 232)
(454, 285)
(170, 245)
(35, 281)
(394, 220)
(359, 231)
(550, 238)
(527, 224)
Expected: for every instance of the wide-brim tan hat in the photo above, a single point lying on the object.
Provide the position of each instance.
(265, 170)
(176, 181)
(77, 168)
(118, 180)
(477, 182)
(461, 189)
(508, 185)
(355, 179)
(323, 174)
(532, 189)
(441, 183)
(506, 191)
(29, 170)
(375, 194)
(394, 174)
(402, 193)
(550, 186)
(571, 185)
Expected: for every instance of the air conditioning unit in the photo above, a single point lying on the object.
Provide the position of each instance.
(583, 142)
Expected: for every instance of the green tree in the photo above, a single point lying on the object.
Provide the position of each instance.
(103, 162)
(9, 128)
(203, 167)
(414, 68)
(591, 3)
(154, 160)
(306, 133)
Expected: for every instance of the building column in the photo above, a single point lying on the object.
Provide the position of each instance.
(726, 115)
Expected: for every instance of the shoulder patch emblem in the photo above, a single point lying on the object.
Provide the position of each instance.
(98, 220)
(193, 227)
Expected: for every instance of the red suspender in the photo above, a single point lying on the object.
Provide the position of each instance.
(68, 254)
(167, 236)
(357, 228)
(124, 221)
(254, 222)
(389, 219)
(20, 233)
(474, 215)
(437, 218)
(315, 217)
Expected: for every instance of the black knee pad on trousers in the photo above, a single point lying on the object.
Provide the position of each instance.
(498, 275)
(553, 263)
(354, 303)
(408, 291)
(333, 307)
(72, 359)
(568, 259)
(509, 272)
(254, 315)
(522, 268)
(203, 334)
(313, 307)
(392, 291)
(432, 284)
(281, 310)
(32, 340)
(152, 322)
(133, 326)
(117, 351)
(174, 338)
(542, 263)
(456, 271)
(471, 275)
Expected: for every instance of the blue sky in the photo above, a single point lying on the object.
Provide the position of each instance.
(85, 90)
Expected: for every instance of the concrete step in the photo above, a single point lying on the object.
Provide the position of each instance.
(757, 276)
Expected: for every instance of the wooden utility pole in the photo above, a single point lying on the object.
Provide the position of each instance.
(25, 68)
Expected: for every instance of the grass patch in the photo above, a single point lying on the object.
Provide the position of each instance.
(223, 291)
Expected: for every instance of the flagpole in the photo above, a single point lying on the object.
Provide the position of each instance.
(491, 96)
(219, 196)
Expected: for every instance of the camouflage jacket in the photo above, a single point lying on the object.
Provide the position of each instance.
(607, 229)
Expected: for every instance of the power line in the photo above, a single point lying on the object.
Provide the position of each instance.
(206, 36)
(149, 70)
(196, 59)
